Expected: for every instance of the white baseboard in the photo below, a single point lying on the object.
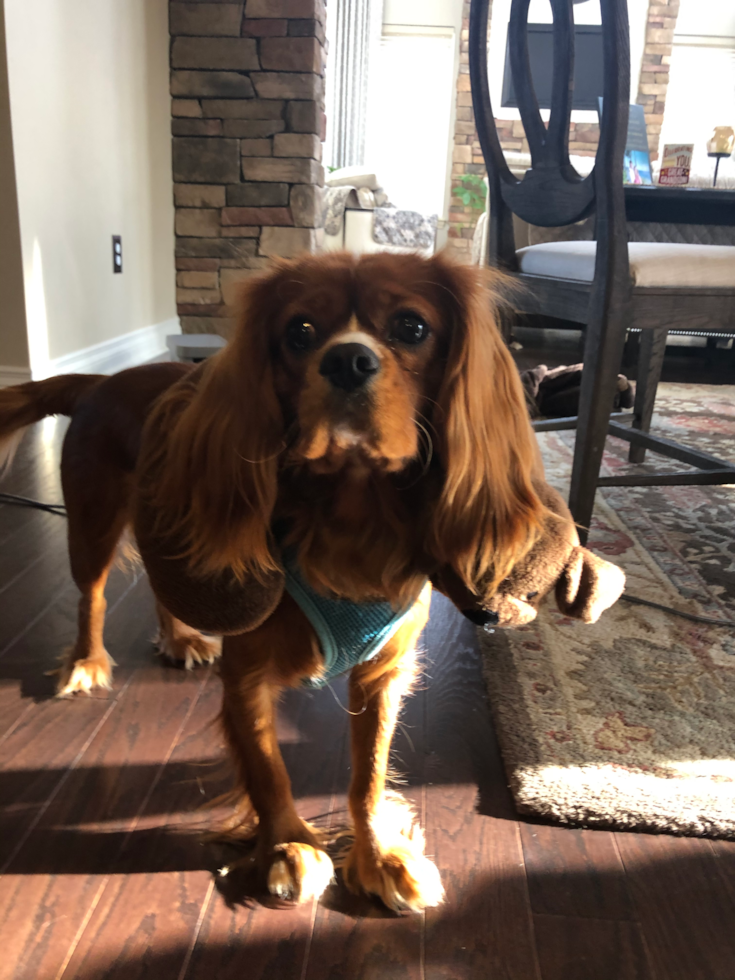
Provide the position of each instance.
(110, 356)
(13, 375)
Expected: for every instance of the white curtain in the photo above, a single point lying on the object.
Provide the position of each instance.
(353, 29)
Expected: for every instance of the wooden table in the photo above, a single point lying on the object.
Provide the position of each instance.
(685, 205)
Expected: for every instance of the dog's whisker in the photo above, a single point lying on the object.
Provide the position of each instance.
(286, 443)
(429, 446)
(428, 442)
(265, 459)
(428, 422)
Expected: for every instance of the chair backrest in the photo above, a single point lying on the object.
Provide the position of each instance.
(552, 193)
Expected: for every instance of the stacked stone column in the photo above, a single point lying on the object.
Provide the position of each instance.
(247, 86)
(654, 77)
(466, 154)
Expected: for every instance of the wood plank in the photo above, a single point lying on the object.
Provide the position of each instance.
(61, 869)
(356, 936)
(43, 535)
(686, 910)
(35, 756)
(586, 948)
(258, 941)
(575, 873)
(147, 917)
(484, 929)
(37, 649)
(14, 521)
(31, 594)
(38, 477)
(724, 854)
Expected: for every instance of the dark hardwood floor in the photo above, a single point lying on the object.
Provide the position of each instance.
(104, 874)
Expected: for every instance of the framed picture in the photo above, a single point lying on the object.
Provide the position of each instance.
(637, 160)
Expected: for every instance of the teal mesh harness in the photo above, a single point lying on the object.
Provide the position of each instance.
(349, 633)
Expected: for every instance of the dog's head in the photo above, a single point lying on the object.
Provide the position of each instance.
(384, 367)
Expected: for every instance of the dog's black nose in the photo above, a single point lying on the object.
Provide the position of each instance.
(348, 366)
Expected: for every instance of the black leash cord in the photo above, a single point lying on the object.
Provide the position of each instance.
(677, 612)
(11, 498)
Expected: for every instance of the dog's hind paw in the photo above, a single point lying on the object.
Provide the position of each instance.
(83, 676)
(189, 649)
(299, 872)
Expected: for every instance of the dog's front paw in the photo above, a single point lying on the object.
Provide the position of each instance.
(404, 880)
(391, 862)
(83, 676)
(189, 649)
(299, 872)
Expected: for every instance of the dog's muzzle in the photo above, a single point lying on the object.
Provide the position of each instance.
(349, 366)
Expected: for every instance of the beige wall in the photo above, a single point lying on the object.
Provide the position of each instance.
(90, 113)
(13, 346)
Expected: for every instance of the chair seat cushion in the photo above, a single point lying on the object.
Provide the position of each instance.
(651, 263)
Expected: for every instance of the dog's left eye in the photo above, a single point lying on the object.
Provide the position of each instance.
(409, 328)
(300, 334)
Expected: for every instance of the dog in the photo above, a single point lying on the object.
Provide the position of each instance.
(364, 429)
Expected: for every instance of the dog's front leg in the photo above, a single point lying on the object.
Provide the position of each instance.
(387, 857)
(287, 850)
(183, 645)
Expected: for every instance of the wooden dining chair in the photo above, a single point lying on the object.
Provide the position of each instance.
(607, 284)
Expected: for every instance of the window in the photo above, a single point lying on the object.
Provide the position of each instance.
(409, 109)
(701, 91)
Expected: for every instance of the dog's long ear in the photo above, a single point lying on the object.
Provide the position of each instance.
(488, 514)
(588, 586)
(209, 460)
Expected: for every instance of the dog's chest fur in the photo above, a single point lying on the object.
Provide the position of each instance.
(357, 537)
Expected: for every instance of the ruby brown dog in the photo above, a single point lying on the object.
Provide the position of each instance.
(363, 433)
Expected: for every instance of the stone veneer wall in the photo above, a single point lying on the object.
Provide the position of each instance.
(247, 86)
(583, 137)
(654, 78)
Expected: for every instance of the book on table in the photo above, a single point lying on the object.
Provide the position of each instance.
(637, 160)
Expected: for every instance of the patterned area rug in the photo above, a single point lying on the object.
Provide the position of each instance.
(630, 723)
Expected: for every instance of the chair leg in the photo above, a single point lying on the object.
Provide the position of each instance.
(506, 322)
(603, 353)
(650, 364)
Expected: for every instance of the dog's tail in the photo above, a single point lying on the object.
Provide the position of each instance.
(22, 405)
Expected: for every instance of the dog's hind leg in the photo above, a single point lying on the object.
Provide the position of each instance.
(97, 514)
(182, 644)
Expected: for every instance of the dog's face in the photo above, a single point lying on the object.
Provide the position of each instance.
(358, 351)
(353, 370)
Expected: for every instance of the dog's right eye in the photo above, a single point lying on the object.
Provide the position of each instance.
(300, 334)
(409, 328)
